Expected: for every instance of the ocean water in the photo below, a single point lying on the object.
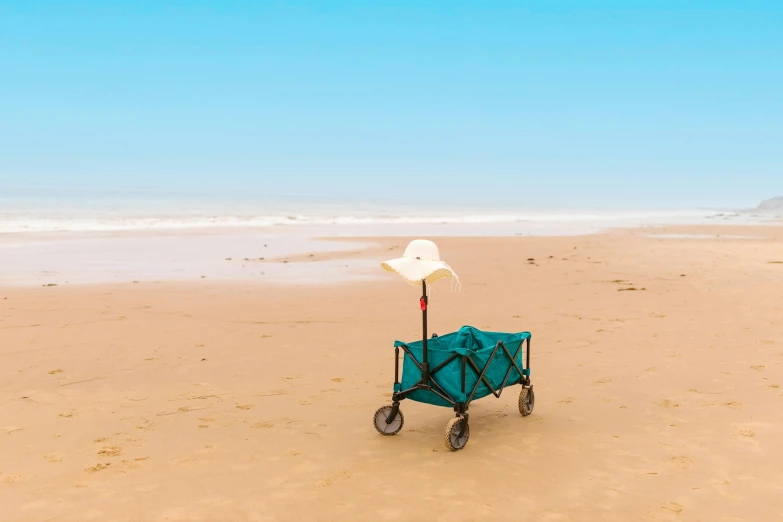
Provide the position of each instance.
(70, 237)
(31, 211)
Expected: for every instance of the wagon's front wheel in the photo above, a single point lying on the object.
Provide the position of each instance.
(452, 439)
(527, 400)
(386, 426)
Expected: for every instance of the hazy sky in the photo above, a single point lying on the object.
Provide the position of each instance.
(556, 102)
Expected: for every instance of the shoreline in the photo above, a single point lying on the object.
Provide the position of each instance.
(257, 256)
(58, 218)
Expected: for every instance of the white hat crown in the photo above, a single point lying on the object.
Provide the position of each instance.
(420, 262)
(422, 249)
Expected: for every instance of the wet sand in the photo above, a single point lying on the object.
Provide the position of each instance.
(656, 363)
(63, 258)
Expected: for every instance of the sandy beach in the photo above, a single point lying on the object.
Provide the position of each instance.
(656, 358)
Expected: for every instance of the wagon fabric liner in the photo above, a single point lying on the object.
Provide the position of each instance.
(498, 355)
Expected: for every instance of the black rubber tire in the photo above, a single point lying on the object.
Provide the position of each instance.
(527, 400)
(451, 436)
(379, 421)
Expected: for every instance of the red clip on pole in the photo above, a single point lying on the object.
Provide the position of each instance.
(423, 304)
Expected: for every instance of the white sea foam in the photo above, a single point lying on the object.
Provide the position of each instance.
(51, 210)
(16, 222)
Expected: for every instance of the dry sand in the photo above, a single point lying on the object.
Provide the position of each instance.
(220, 401)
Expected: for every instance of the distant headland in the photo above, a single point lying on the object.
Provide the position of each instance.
(771, 205)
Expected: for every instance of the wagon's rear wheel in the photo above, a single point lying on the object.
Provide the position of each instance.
(452, 439)
(390, 428)
(527, 399)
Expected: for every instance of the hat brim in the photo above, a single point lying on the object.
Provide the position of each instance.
(414, 271)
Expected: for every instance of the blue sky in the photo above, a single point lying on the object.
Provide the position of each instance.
(554, 103)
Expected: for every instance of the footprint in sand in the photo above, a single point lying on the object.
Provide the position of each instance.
(674, 507)
(338, 379)
(110, 451)
(669, 404)
(758, 368)
(12, 479)
(135, 463)
(58, 370)
(681, 463)
(98, 467)
(308, 401)
(263, 425)
(53, 458)
(566, 400)
(747, 433)
(343, 475)
(135, 441)
(271, 394)
(244, 406)
(734, 405)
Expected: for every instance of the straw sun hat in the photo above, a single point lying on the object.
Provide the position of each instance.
(421, 261)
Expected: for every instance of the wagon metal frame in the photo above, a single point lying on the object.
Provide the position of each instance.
(457, 431)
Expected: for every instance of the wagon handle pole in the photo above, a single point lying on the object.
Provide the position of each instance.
(425, 367)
